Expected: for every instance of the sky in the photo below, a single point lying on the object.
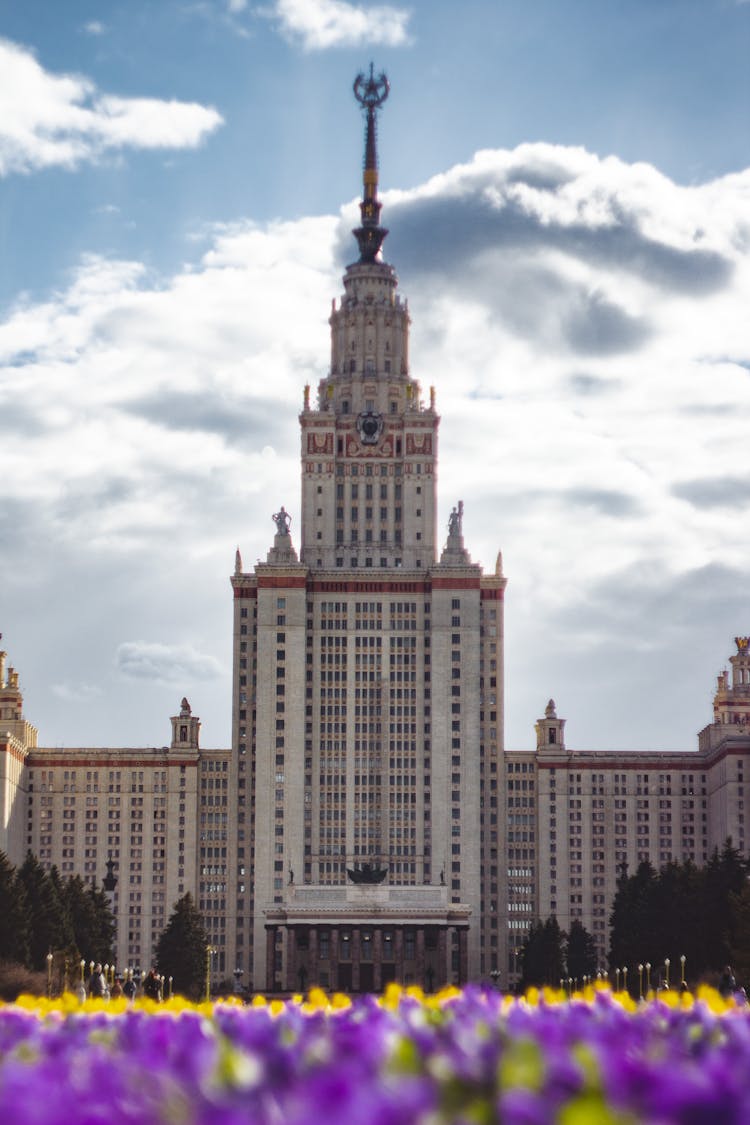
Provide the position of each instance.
(567, 189)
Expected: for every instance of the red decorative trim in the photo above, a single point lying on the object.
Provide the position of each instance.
(492, 595)
(683, 759)
(279, 582)
(368, 586)
(246, 591)
(439, 583)
(107, 756)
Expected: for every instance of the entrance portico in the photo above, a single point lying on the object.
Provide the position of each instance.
(360, 938)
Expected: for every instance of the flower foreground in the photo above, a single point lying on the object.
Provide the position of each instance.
(471, 1056)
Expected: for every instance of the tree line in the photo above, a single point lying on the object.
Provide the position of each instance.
(549, 955)
(701, 914)
(40, 912)
(696, 918)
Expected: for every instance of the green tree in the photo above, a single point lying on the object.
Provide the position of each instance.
(103, 936)
(542, 954)
(633, 918)
(739, 956)
(91, 920)
(581, 952)
(726, 875)
(181, 949)
(14, 930)
(47, 922)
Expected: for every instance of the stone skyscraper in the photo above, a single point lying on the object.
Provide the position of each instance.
(368, 673)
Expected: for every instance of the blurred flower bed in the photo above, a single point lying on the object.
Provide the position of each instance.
(473, 1056)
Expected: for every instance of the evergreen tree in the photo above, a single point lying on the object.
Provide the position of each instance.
(532, 956)
(14, 931)
(542, 954)
(633, 918)
(739, 957)
(581, 952)
(103, 936)
(554, 951)
(726, 875)
(44, 912)
(181, 949)
(91, 920)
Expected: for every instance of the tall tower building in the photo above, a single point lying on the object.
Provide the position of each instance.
(368, 678)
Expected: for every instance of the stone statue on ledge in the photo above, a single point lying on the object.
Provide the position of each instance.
(282, 519)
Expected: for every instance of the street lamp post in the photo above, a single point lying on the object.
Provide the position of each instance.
(640, 981)
(683, 982)
(624, 978)
(209, 950)
(617, 980)
(648, 977)
(666, 971)
(495, 977)
(50, 959)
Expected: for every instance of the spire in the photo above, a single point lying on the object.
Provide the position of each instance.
(370, 92)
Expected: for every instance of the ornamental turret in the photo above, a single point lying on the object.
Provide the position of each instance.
(185, 728)
(732, 700)
(550, 731)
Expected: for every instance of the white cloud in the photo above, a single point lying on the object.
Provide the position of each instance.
(585, 324)
(319, 24)
(94, 27)
(76, 692)
(62, 119)
(142, 660)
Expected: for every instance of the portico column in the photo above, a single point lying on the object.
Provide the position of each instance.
(270, 957)
(314, 977)
(443, 973)
(334, 958)
(377, 959)
(463, 956)
(292, 982)
(356, 958)
(399, 954)
(419, 964)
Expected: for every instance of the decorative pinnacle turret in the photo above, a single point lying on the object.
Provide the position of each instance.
(370, 92)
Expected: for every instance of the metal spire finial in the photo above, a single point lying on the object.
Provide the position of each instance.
(370, 91)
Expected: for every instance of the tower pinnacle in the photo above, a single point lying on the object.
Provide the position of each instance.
(370, 92)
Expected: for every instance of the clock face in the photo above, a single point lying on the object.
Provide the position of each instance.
(369, 427)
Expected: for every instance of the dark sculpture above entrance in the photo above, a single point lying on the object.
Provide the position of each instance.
(367, 873)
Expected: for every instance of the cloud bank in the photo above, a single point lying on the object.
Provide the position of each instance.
(61, 120)
(165, 663)
(585, 324)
